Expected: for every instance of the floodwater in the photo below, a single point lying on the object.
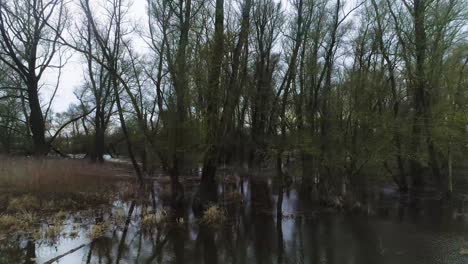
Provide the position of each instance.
(387, 230)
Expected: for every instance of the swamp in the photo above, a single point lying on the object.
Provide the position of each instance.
(240, 131)
(109, 220)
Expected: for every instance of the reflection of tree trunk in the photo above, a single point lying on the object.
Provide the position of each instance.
(307, 161)
(279, 203)
(279, 220)
(30, 252)
(124, 233)
(177, 189)
(90, 253)
(208, 186)
(210, 249)
(450, 179)
(178, 242)
(329, 243)
(263, 221)
(279, 230)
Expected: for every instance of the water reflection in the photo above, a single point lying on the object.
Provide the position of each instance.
(269, 224)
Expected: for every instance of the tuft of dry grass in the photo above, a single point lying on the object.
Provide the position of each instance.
(98, 230)
(119, 217)
(153, 219)
(54, 231)
(214, 216)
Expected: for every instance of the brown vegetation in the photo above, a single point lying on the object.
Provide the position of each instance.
(54, 175)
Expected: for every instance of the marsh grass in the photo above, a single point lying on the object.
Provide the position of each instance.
(51, 185)
(54, 175)
(24, 222)
(24, 203)
(38, 195)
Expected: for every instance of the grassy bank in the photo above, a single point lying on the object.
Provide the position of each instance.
(32, 190)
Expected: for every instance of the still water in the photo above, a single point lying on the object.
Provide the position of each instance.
(386, 230)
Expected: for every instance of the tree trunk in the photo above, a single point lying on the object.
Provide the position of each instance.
(98, 153)
(450, 176)
(211, 156)
(418, 94)
(36, 120)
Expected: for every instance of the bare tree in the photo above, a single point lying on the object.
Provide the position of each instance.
(28, 46)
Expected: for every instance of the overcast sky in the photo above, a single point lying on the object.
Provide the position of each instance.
(72, 74)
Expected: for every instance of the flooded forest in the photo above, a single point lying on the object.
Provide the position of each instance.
(234, 131)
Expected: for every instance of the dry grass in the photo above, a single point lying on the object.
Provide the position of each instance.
(17, 222)
(53, 175)
(51, 185)
(7, 222)
(36, 191)
(25, 203)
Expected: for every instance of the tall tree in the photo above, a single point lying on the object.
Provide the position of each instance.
(214, 90)
(29, 34)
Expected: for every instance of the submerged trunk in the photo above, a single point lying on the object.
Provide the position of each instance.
(177, 190)
(208, 187)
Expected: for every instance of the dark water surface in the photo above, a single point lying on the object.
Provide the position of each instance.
(387, 230)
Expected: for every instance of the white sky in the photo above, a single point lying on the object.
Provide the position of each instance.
(72, 73)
